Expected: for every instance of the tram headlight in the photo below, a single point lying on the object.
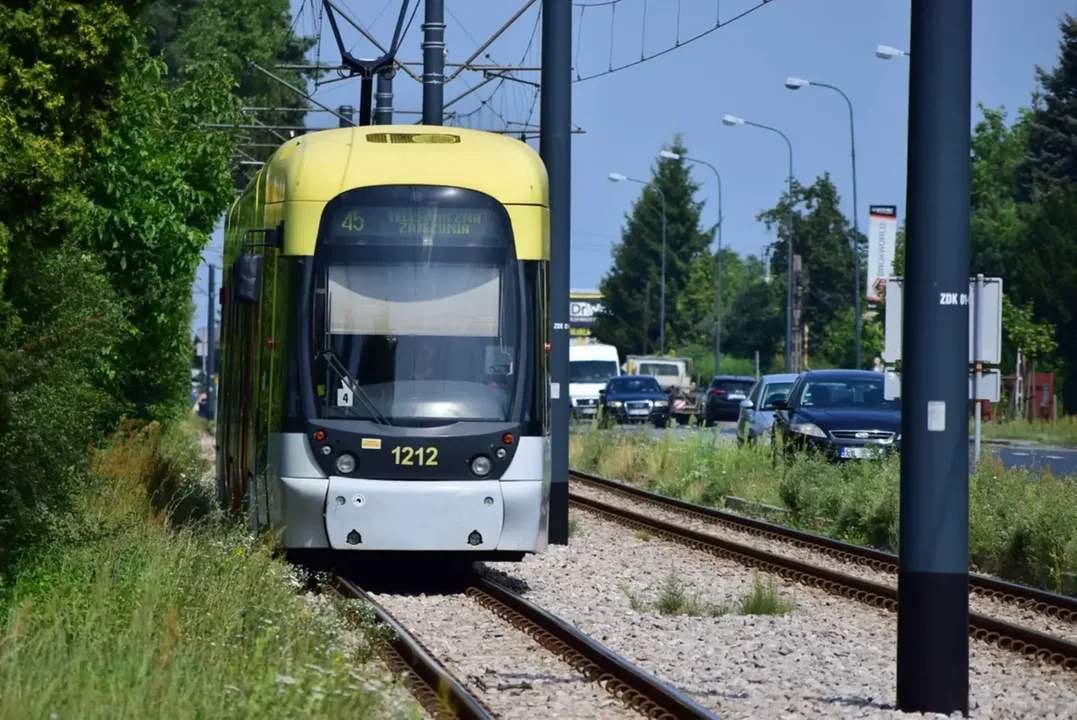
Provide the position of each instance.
(345, 463)
(480, 465)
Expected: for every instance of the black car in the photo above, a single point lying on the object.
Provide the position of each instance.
(634, 398)
(722, 399)
(841, 413)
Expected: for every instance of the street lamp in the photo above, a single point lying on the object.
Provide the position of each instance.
(885, 52)
(795, 84)
(669, 155)
(731, 121)
(618, 177)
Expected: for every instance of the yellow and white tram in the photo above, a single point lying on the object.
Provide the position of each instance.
(384, 358)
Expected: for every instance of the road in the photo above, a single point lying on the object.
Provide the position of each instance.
(1061, 461)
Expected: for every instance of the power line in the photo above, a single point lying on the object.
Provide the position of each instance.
(719, 24)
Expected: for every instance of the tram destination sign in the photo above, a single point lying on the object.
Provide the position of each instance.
(387, 225)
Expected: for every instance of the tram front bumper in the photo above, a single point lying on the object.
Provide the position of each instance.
(469, 515)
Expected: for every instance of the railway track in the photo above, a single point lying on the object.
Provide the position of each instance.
(445, 697)
(1006, 635)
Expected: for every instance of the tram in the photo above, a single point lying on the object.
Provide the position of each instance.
(384, 348)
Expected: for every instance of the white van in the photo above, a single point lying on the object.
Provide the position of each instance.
(589, 368)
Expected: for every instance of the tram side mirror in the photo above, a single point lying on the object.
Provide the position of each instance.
(247, 279)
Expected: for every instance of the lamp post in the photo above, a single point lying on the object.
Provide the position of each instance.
(731, 121)
(669, 155)
(795, 84)
(618, 177)
(885, 52)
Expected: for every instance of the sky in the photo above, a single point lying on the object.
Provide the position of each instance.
(629, 115)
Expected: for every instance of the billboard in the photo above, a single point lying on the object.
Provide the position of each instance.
(882, 237)
(583, 305)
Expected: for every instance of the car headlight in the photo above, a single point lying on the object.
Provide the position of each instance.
(661, 403)
(614, 403)
(809, 429)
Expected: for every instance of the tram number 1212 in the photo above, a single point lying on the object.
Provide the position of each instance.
(404, 455)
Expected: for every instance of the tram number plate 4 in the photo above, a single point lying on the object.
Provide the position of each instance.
(407, 455)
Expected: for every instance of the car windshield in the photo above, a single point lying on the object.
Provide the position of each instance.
(733, 386)
(774, 390)
(591, 371)
(846, 394)
(633, 385)
(659, 369)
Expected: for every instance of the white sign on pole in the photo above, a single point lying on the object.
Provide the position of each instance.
(882, 237)
(991, 318)
(990, 386)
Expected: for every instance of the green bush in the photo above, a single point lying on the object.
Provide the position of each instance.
(1022, 522)
(136, 612)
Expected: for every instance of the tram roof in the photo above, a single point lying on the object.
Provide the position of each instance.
(319, 166)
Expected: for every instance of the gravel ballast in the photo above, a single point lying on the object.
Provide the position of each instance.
(828, 657)
(503, 667)
(998, 609)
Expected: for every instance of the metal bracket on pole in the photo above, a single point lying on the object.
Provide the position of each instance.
(366, 69)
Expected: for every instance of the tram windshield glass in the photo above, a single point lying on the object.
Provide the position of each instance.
(417, 306)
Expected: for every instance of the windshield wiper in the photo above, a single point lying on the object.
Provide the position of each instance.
(334, 362)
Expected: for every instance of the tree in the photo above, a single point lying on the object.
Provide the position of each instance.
(823, 237)
(696, 304)
(236, 32)
(756, 319)
(631, 289)
(1052, 135)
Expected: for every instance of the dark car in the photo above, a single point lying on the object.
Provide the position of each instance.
(843, 414)
(722, 398)
(635, 398)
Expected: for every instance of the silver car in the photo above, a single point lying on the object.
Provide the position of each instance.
(757, 410)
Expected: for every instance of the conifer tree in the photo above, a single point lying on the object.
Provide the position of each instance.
(632, 289)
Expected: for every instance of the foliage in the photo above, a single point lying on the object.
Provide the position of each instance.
(1052, 133)
(823, 237)
(236, 32)
(108, 189)
(1023, 521)
(755, 321)
(632, 288)
(127, 615)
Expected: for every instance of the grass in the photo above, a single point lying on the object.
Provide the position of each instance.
(149, 604)
(1062, 433)
(1022, 521)
(675, 598)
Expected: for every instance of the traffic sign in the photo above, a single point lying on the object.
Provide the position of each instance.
(989, 389)
(990, 317)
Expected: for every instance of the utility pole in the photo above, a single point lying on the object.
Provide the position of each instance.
(211, 345)
(434, 62)
(345, 115)
(933, 555)
(555, 146)
(383, 98)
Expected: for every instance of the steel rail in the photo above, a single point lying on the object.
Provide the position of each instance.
(1048, 603)
(636, 688)
(440, 694)
(1005, 635)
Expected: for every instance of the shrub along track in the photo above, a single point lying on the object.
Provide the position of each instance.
(1006, 635)
(445, 697)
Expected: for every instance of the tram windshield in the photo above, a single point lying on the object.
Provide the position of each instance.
(417, 307)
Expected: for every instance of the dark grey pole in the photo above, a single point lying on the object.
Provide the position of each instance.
(383, 99)
(933, 556)
(211, 345)
(346, 114)
(555, 146)
(433, 62)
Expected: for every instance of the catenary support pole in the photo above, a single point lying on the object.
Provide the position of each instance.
(383, 99)
(933, 601)
(718, 285)
(346, 112)
(556, 150)
(433, 62)
(789, 271)
(211, 345)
